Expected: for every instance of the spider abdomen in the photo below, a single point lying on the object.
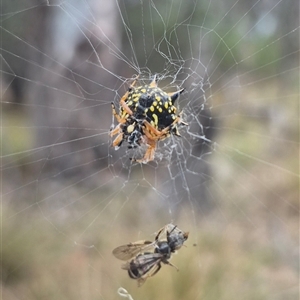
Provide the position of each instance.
(152, 104)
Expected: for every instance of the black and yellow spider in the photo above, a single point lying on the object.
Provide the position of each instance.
(147, 115)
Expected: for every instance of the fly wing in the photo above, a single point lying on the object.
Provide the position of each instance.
(126, 252)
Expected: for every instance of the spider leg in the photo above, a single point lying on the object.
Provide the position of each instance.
(124, 98)
(115, 130)
(119, 119)
(125, 106)
(183, 123)
(175, 128)
(118, 141)
(180, 121)
(165, 132)
(149, 155)
(151, 128)
(154, 134)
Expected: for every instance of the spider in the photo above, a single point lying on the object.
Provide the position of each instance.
(147, 115)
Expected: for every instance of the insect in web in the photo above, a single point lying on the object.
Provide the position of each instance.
(142, 262)
(147, 115)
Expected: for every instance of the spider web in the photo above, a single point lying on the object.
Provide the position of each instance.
(231, 179)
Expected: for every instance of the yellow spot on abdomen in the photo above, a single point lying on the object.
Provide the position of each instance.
(155, 118)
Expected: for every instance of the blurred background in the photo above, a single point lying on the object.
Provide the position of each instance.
(232, 180)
